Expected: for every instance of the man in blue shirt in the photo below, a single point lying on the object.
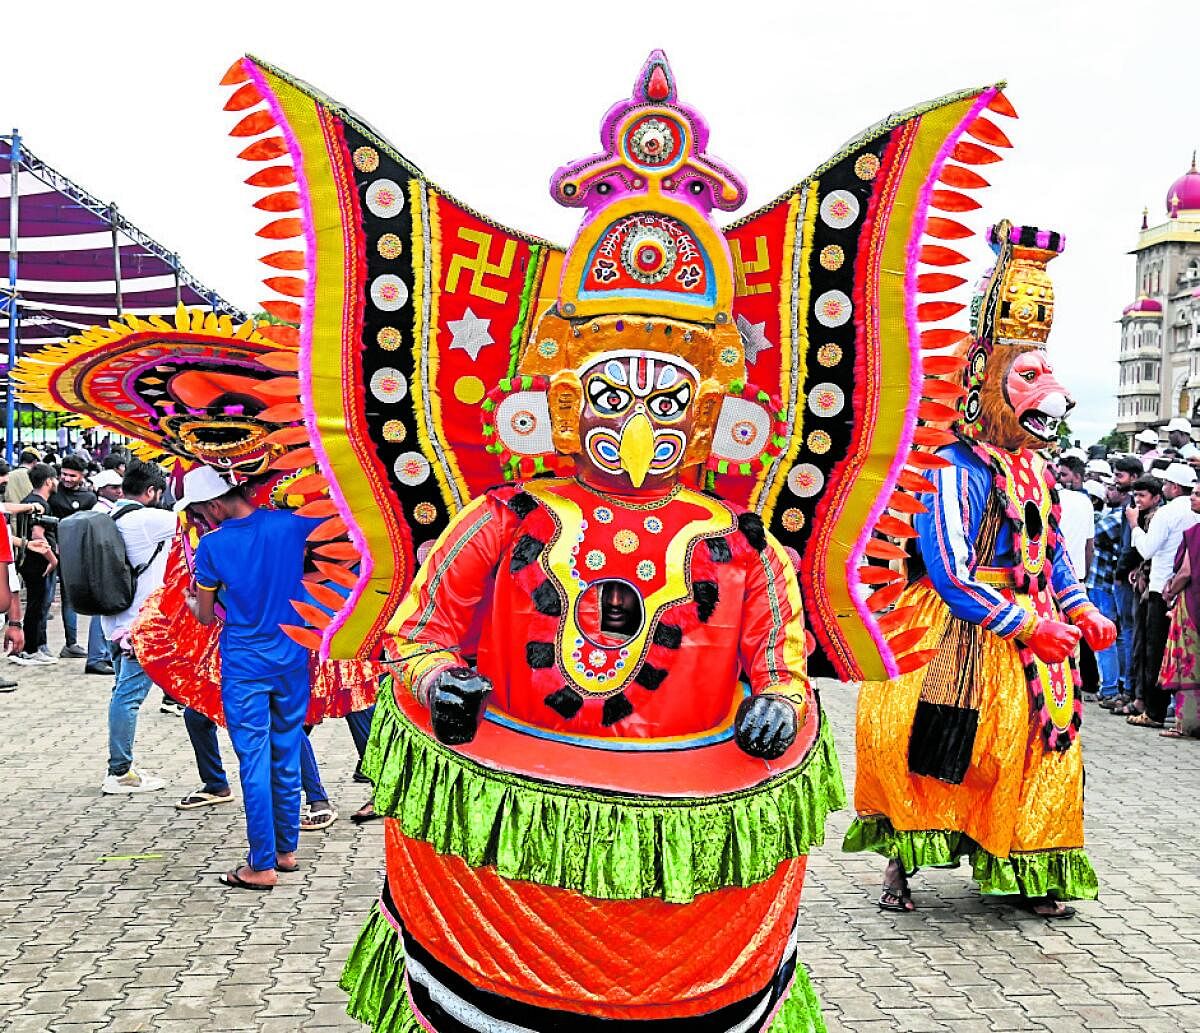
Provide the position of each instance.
(253, 561)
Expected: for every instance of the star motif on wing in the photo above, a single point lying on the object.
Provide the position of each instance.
(754, 338)
(471, 333)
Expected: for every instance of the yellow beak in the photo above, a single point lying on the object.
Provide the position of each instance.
(637, 448)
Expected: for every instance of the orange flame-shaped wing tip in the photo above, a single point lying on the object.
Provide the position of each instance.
(328, 530)
(295, 460)
(280, 387)
(897, 619)
(895, 527)
(290, 286)
(963, 179)
(903, 641)
(878, 575)
(914, 482)
(321, 509)
(312, 484)
(943, 338)
(933, 437)
(935, 412)
(882, 598)
(953, 201)
(1000, 104)
(254, 124)
(946, 229)
(942, 390)
(243, 97)
(915, 661)
(338, 551)
(936, 311)
(938, 365)
(314, 615)
(284, 260)
(265, 150)
(288, 311)
(325, 595)
(880, 550)
(236, 73)
(906, 504)
(935, 254)
(288, 436)
(338, 575)
(938, 283)
(282, 201)
(973, 154)
(286, 412)
(272, 176)
(288, 336)
(928, 461)
(282, 229)
(305, 637)
(986, 130)
(280, 362)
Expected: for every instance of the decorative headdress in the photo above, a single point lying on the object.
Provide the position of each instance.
(1013, 307)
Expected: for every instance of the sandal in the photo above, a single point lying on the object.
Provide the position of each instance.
(365, 813)
(1113, 702)
(1143, 721)
(1173, 733)
(896, 895)
(1130, 709)
(1031, 904)
(314, 818)
(201, 798)
(236, 882)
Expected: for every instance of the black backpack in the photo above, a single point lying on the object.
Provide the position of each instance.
(96, 573)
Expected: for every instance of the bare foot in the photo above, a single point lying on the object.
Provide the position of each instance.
(286, 862)
(247, 876)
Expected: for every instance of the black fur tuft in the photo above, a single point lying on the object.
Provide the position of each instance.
(669, 636)
(522, 504)
(566, 701)
(546, 600)
(751, 526)
(616, 708)
(706, 595)
(650, 677)
(539, 654)
(525, 552)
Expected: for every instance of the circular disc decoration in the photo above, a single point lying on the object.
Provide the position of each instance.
(829, 354)
(826, 399)
(389, 338)
(390, 246)
(839, 209)
(388, 385)
(425, 512)
(385, 198)
(388, 292)
(805, 480)
(366, 159)
(832, 257)
(411, 469)
(867, 167)
(792, 519)
(648, 254)
(394, 432)
(833, 308)
(819, 442)
(654, 141)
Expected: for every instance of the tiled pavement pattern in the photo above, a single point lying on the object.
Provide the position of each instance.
(158, 944)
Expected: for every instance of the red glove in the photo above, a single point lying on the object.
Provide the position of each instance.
(1053, 641)
(1098, 631)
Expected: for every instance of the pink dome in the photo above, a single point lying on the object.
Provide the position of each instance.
(1184, 194)
(1147, 306)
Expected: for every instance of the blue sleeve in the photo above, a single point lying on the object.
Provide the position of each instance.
(206, 570)
(1070, 594)
(946, 535)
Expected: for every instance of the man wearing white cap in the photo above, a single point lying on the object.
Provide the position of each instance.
(1146, 442)
(107, 486)
(1158, 544)
(255, 559)
(1179, 434)
(1100, 471)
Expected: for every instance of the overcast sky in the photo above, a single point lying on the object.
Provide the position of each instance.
(490, 98)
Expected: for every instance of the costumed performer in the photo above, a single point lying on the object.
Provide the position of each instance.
(976, 755)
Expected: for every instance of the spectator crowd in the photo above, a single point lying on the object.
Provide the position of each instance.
(81, 530)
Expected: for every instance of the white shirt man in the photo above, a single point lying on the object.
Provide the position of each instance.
(1077, 522)
(1179, 434)
(1161, 541)
(143, 530)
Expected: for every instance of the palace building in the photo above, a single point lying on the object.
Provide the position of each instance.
(1159, 358)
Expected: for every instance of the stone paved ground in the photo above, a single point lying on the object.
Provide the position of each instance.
(91, 943)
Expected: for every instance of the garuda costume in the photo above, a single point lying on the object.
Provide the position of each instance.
(571, 491)
(976, 755)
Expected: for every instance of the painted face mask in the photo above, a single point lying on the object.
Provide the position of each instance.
(636, 420)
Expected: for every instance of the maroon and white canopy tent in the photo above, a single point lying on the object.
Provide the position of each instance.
(75, 262)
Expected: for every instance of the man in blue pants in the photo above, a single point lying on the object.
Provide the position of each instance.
(253, 561)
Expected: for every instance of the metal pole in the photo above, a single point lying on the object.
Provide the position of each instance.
(116, 251)
(175, 267)
(14, 211)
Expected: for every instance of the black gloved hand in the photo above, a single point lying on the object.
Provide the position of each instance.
(765, 726)
(456, 703)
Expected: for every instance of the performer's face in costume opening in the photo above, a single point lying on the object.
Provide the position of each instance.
(637, 418)
(620, 609)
